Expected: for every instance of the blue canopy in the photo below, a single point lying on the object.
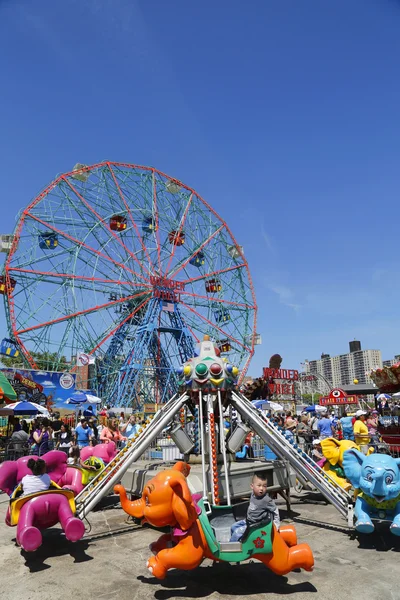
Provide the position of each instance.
(77, 398)
(260, 403)
(24, 408)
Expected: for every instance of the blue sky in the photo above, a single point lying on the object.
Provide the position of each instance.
(283, 115)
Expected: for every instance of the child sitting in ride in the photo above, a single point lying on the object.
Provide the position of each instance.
(74, 460)
(39, 481)
(261, 508)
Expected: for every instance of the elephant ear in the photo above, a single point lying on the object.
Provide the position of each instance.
(352, 463)
(8, 476)
(182, 504)
(182, 467)
(331, 450)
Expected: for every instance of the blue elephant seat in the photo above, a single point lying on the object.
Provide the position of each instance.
(377, 476)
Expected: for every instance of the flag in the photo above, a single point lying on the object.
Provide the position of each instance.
(84, 359)
(168, 306)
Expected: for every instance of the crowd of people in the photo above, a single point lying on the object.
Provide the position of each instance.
(43, 434)
(309, 428)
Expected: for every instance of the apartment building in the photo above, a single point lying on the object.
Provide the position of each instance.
(344, 368)
(392, 361)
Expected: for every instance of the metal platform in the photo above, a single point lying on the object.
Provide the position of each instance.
(279, 477)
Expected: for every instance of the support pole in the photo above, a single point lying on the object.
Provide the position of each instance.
(223, 448)
(203, 446)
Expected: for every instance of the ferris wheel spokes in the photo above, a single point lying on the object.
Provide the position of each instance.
(180, 230)
(82, 244)
(130, 215)
(214, 326)
(80, 313)
(104, 224)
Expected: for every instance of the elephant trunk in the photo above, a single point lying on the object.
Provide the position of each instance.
(379, 487)
(133, 508)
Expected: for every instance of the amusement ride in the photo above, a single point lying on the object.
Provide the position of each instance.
(130, 268)
(136, 271)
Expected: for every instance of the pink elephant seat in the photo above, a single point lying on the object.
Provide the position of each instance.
(104, 451)
(12, 471)
(76, 478)
(44, 509)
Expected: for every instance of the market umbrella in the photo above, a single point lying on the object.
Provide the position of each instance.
(266, 404)
(396, 395)
(383, 397)
(79, 397)
(6, 390)
(93, 399)
(6, 412)
(28, 408)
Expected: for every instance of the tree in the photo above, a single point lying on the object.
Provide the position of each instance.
(309, 398)
(49, 361)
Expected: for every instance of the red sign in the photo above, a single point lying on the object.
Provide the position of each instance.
(281, 374)
(308, 378)
(281, 388)
(167, 289)
(29, 383)
(338, 397)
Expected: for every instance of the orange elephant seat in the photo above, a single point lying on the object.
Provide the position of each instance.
(167, 501)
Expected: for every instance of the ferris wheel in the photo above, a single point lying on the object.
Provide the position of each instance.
(131, 268)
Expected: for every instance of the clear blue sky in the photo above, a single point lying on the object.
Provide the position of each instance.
(283, 114)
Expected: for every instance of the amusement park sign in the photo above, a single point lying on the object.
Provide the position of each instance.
(289, 374)
(286, 375)
(337, 397)
(281, 388)
(167, 289)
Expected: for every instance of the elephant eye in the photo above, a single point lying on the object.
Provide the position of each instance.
(369, 477)
(389, 479)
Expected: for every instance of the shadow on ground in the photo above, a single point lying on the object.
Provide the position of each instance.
(381, 540)
(233, 580)
(55, 544)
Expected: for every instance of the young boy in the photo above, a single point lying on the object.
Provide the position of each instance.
(260, 507)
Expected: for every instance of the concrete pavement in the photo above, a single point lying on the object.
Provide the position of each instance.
(110, 562)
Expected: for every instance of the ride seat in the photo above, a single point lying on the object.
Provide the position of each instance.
(252, 528)
(221, 526)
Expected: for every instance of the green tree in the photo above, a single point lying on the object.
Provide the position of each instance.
(309, 398)
(49, 361)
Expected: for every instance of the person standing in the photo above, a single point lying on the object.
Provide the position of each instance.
(111, 433)
(64, 442)
(83, 434)
(372, 424)
(290, 424)
(303, 431)
(360, 429)
(346, 425)
(325, 427)
(42, 437)
(130, 428)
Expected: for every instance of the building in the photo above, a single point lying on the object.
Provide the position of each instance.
(392, 361)
(344, 368)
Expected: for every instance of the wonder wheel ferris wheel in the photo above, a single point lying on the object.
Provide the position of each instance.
(132, 268)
